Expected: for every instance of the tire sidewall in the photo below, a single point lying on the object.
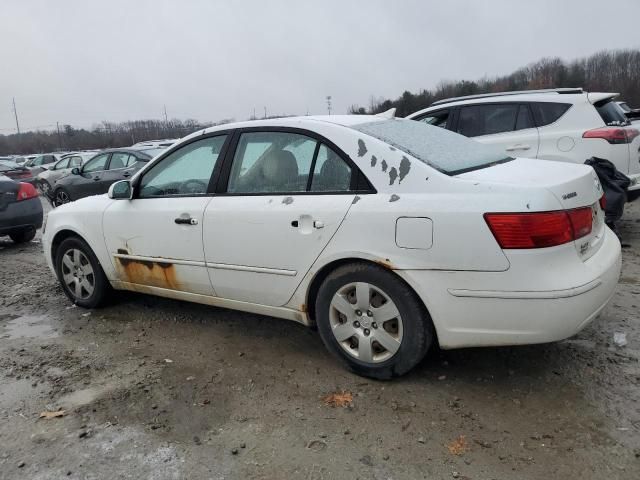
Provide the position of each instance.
(416, 324)
(101, 283)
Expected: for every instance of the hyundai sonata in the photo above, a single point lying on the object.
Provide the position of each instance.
(390, 235)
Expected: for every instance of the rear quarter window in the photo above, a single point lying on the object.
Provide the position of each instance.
(610, 112)
(545, 113)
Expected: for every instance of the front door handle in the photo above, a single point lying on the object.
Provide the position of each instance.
(518, 147)
(186, 221)
(126, 174)
(318, 224)
(95, 179)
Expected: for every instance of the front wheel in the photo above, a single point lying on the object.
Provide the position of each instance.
(372, 321)
(80, 273)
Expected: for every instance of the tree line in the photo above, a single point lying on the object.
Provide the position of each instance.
(606, 71)
(103, 135)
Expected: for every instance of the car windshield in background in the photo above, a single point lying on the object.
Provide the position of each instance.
(445, 151)
(153, 152)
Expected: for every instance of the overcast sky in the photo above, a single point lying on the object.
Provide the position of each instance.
(80, 62)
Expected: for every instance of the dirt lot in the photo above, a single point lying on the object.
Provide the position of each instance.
(159, 389)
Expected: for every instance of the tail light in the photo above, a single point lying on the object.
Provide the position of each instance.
(603, 202)
(539, 229)
(613, 135)
(26, 191)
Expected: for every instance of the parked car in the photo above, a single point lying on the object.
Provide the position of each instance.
(39, 164)
(24, 158)
(20, 210)
(14, 171)
(562, 124)
(390, 235)
(630, 113)
(97, 174)
(46, 179)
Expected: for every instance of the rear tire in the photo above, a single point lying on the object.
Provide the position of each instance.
(80, 273)
(60, 197)
(23, 236)
(372, 321)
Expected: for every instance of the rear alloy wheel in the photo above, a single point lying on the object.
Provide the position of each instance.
(23, 236)
(61, 197)
(44, 187)
(80, 273)
(372, 321)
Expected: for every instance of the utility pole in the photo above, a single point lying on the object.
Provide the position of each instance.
(329, 104)
(59, 143)
(15, 112)
(166, 121)
(265, 112)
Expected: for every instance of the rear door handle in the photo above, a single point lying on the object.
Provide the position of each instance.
(126, 174)
(518, 147)
(95, 179)
(186, 221)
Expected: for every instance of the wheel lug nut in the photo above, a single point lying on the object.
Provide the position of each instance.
(358, 313)
(356, 324)
(369, 313)
(374, 325)
(366, 332)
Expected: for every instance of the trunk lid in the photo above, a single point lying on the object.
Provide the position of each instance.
(574, 186)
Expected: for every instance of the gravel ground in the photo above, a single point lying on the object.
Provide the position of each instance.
(160, 389)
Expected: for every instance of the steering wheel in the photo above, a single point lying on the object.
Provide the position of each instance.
(194, 186)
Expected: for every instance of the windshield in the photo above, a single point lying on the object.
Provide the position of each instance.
(445, 151)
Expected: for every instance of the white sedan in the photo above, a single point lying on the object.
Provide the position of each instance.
(390, 235)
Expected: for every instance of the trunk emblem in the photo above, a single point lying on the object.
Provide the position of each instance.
(567, 196)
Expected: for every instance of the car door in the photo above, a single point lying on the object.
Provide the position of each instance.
(506, 125)
(272, 218)
(88, 181)
(155, 239)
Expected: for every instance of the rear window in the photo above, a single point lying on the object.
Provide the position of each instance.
(546, 113)
(443, 150)
(611, 113)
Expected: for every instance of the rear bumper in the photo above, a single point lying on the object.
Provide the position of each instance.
(20, 215)
(472, 309)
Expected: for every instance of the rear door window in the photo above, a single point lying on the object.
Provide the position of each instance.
(96, 164)
(545, 113)
(478, 120)
(524, 119)
(271, 162)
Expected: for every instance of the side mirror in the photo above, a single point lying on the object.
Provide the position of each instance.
(75, 171)
(121, 190)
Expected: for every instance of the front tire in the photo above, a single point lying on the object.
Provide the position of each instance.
(80, 273)
(372, 321)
